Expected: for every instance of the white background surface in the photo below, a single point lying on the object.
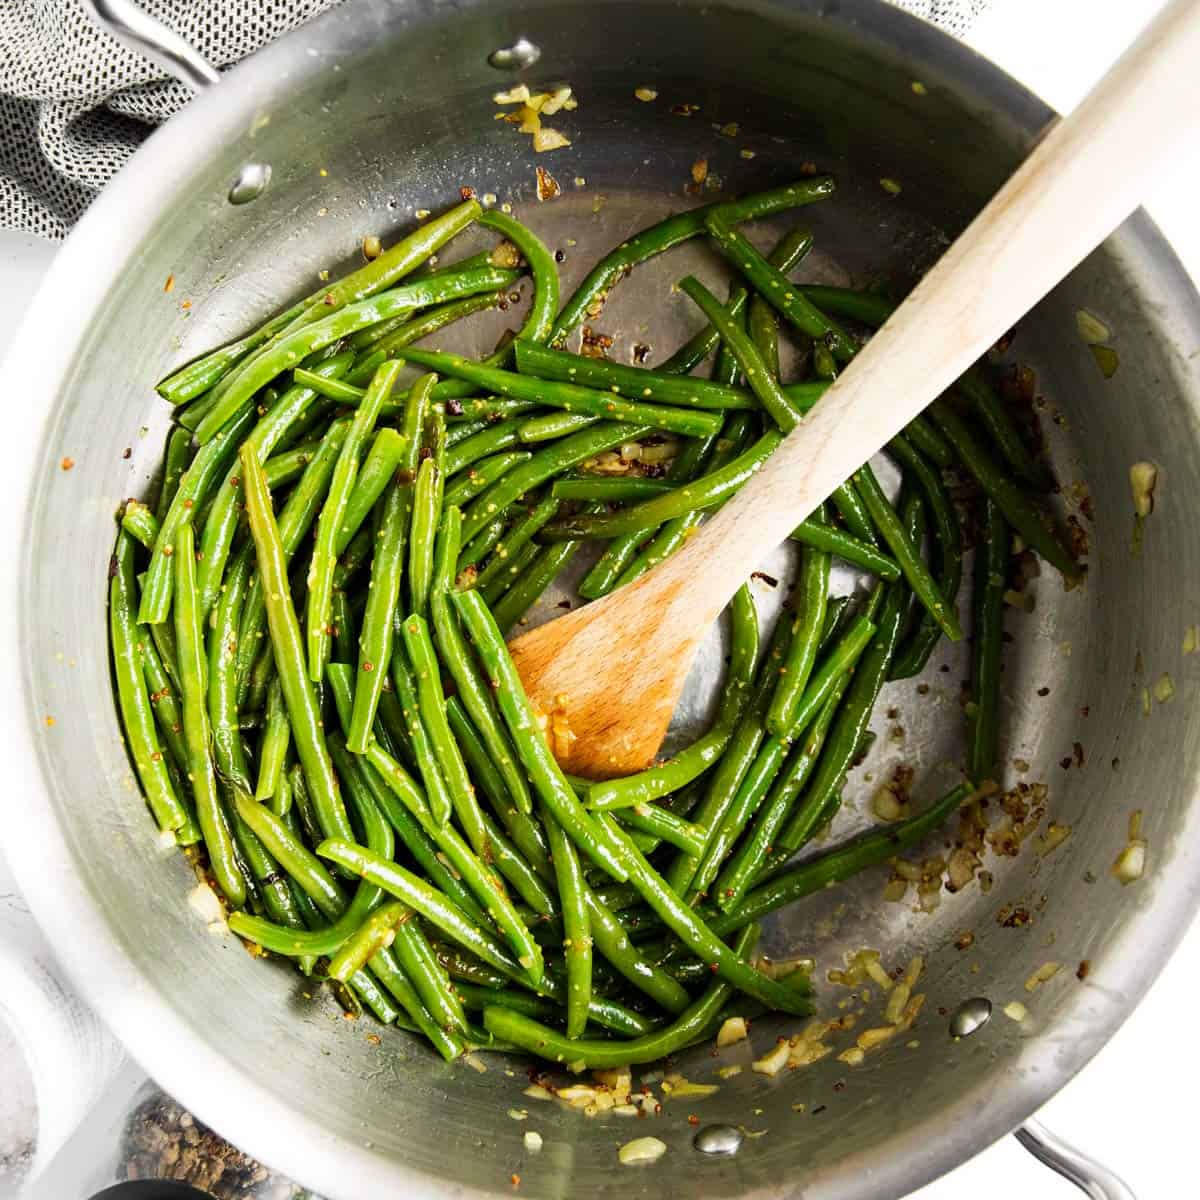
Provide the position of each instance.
(1127, 1106)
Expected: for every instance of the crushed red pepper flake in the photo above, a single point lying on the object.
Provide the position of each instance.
(67, 464)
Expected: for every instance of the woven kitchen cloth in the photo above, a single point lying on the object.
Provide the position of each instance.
(75, 104)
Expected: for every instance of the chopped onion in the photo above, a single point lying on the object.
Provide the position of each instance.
(535, 1091)
(1164, 689)
(645, 94)
(733, 1030)
(1043, 974)
(517, 95)
(206, 904)
(518, 1114)
(475, 1063)
(774, 1061)
(870, 1038)
(686, 1089)
(896, 1002)
(874, 969)
(1143, 477)
(730, 1071)
(641, 1150)
(1191, 639)
(556, 100)
(1016, 1011)
(1091, 328)
(886, 805)
(167, 840)
(549, 139)
(1054, 837)
(1131, 863)
(852, 1057)
(626, 1110)
(533, 1141)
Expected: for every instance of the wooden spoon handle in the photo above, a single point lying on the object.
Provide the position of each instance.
(1081, 181)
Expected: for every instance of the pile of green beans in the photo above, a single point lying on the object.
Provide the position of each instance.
(308, 635)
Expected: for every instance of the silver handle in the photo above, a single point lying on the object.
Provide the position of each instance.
(129, 24)
(1091, 1177)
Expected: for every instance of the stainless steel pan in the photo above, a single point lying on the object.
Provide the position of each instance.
(381, 109)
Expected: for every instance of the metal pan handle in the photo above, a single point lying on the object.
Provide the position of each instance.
(128, 23)
(1089, 1176)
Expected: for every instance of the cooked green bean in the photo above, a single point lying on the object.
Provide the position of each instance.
(195, 486)
(577, 939)
(162, 691)
(635, 383)
(137, 715)
(534, 579)
(556, 458)
(567, 396)
(298, 692)
(912, 656)
(706, 492)
(670, 232)
(295, 519)
(472, 690)
(665, 825)
(376, 933)
(387, 970)
(482, 475)
(810, 595)
(540, 318)
(388, 452)
(428, 976)
(378, 626)
(140, 523)
(521, 535)
(519, 715)
(991, 569)
(493, 439)
(214, 825)
(608, 491)
(1017, 508)
(553, 425)
(228, 752)
(341, 484)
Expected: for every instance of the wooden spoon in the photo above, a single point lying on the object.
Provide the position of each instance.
(616, 667)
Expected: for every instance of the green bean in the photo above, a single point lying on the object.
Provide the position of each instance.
(682, 768)
(176, 460)
(295, 519)
(428, 976)
(811, 594)
(521, 535)
(434, 906)
(385, 967)
(493, 439)
(567, 396)
(772, 752)
(835, 866)
(388, 452)
(907, 554)
(691, 1026)
(511, 569)
(636, 383)
(284, 353)
(431, 702)
(845, 546)
(329, 523)
(481, 476)
(140, 523)
(850, 725)
(668, 233)
(437, 795)
(378, 627)
(926, 439)
(272, 885)
(162, 695)
(991, 568)
(556, 458)
(472, 690)
(368, 992)
(298, 692)
(696, 935)
(459, 431)
(763, 329)
(525, 832)
(222, 521)
(228, 752)
(739, 754)
(197, 482)
(773, 286)
(544, 304)
(292, 855)
(577, 940)
(1017, 508)
(534, 579)
(612, 940)
(376, 933)
(665, 825)
(706, 492)
(381, 345)
(218, 839)
(746, 866)
(599, 489)
(601, 1012)
(553, 425)
(426, 515)
(519, 715)
(332, 389)
(134, 700)
(947, 543)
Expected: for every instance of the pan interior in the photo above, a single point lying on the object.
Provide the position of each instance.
(371, 123)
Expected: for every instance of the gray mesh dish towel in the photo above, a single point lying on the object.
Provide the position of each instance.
(75, 104)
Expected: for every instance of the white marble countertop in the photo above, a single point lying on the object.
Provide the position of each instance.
(1125, 1106)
